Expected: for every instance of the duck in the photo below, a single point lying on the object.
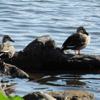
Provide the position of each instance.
(77, 41)
(6, 50)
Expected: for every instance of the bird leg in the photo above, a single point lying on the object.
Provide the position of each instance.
(3, 62)
(79, 52)
(75, 52)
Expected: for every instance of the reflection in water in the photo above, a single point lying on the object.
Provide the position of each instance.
(58, 82)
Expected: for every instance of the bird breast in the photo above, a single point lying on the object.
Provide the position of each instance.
(87, 40)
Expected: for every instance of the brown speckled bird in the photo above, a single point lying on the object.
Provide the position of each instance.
(6, 50)
(77, 41)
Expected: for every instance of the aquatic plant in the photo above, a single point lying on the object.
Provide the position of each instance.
(2, 97)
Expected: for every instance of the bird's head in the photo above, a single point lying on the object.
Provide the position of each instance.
(7, 38)
(82, 30)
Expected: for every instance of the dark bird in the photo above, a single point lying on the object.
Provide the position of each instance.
(77, 41)
(6, 50)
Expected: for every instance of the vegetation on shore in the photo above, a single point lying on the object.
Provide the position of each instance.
(2, 97)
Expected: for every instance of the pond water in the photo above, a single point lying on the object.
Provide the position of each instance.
(26, 20)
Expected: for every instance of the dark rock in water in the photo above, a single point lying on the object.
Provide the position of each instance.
(13, 71)
(60, 95)
(32, 56)
(44, 54)
(72, 95)
(38, 96)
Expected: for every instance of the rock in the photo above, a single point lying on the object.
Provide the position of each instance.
(44, 54)
(38, 96)
(60, 95)
(13, 71)
(32, 56)
(72, 95)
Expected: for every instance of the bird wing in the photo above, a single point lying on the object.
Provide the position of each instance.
(74, 40)
(5, 48)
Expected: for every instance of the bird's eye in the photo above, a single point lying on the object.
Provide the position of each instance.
(84, 31)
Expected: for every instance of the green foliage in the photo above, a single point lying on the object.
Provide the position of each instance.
(2, 97)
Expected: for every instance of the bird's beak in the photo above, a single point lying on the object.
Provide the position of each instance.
(12, 40)
(86, 33)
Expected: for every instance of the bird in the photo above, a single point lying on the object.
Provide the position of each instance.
(6, 50)
(77, 41)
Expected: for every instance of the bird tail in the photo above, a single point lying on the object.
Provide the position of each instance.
(67, 47)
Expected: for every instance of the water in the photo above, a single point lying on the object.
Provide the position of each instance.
(26, 20)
